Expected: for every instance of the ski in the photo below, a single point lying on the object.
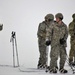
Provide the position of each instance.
(29, 70)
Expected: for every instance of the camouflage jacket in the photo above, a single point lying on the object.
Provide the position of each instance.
(72, 29)
(55, 32)
(41, 33)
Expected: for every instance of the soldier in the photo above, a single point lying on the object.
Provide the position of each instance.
(57, 34)
(1, 27)
(41, 34)
(72, 40)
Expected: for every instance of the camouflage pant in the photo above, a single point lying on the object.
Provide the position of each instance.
(72, 50)
(42, 51)
(56, 51)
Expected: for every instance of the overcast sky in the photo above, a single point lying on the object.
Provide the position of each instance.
(24, 16)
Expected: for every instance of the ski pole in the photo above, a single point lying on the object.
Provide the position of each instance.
(16, 51)
(13, 53)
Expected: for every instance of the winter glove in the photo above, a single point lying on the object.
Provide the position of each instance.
(48, 42)
(62, 41)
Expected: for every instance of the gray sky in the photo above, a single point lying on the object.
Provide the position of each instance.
(24, 16)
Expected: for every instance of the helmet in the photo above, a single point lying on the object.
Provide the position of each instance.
(59, 15)
(73, 16)
(49, 16)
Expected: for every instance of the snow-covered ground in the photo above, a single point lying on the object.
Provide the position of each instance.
(9, 70)
(23, 17)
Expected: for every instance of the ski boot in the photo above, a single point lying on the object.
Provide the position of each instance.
(73, 64)
(44, 66)
(62, 70)
(54, 70)
(39, 66)
(70, 62)
(48, 68)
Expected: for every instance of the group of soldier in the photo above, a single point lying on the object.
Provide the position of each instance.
(55, 33)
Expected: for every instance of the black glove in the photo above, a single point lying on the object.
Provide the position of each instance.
(62, 41)
(74, 33)
(48, 42)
